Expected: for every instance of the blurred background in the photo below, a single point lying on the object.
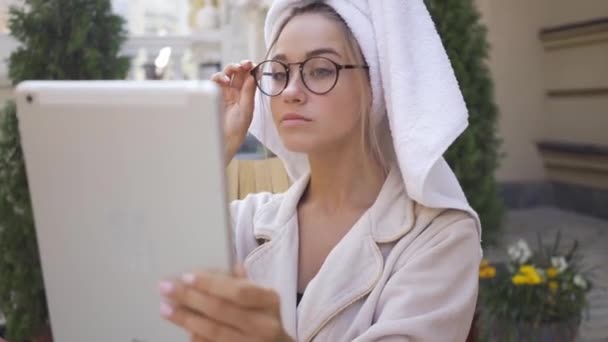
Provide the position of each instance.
(548, 60)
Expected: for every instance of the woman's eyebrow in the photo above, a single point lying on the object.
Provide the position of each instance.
(322, 51)
(316, 52)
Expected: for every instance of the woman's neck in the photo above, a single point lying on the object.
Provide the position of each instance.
(343, 178)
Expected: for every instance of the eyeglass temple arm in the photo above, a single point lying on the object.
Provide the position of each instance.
(350, 66)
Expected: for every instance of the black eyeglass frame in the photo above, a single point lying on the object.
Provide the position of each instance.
(287, 66)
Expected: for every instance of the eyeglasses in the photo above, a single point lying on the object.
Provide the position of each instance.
(319, 75)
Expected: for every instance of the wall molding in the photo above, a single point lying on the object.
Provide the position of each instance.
(574, 34)
(575, 163)
(573, 148)
(578, 92)
(577, 180)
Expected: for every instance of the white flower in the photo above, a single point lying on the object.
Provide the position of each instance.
(559, 263)
(579, 281)
(514, 252)
(520, 252)
(526, 252)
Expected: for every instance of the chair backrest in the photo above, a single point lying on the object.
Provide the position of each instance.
(252, 176)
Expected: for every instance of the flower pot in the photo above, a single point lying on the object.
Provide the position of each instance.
(508, 331)
(563, 331)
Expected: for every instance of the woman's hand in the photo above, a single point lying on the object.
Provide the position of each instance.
(214, 306)
(238, 89)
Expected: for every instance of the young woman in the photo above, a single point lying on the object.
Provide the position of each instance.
(355, 249)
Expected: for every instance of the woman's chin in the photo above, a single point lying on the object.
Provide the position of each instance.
(298, 144)
(298, 148)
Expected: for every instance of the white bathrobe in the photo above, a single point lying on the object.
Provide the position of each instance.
(404, 272)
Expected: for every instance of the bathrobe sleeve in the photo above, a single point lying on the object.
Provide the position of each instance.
(431, 295)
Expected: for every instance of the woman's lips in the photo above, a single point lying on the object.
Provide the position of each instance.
(293, 119)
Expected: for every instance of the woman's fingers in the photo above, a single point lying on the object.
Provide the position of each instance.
(216, 308)
(196, 338)
(238, 291)
(247, 101)
(238, 73)
(221, 79)
(233, 73)
(236, 77)
(200, 326)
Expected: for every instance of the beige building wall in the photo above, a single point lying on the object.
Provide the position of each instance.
(549, 87)
(515, 62)
(559, 12)
(576, 76)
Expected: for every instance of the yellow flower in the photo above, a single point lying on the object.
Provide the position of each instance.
(520, 280)
(552, 272)
(527, 275)
(530, 272)
(553, 286)
(487, 272)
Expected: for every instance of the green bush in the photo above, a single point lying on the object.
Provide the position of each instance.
(59, 40)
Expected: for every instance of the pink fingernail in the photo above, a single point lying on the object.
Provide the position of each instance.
(165, 310)
(188, 278)
(165, 287)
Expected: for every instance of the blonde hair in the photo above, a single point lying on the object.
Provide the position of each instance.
(371, 142)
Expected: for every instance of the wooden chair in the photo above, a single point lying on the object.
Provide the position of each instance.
(251, 176)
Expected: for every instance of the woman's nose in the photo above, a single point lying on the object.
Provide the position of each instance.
(295, 89)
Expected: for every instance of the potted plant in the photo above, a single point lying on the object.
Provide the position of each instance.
(534, 296)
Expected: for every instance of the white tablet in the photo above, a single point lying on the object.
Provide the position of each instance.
(127, 181)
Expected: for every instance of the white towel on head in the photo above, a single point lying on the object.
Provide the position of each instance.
(412, 82)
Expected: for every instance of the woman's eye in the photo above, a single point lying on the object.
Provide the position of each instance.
(321, 72)
(279, 76)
